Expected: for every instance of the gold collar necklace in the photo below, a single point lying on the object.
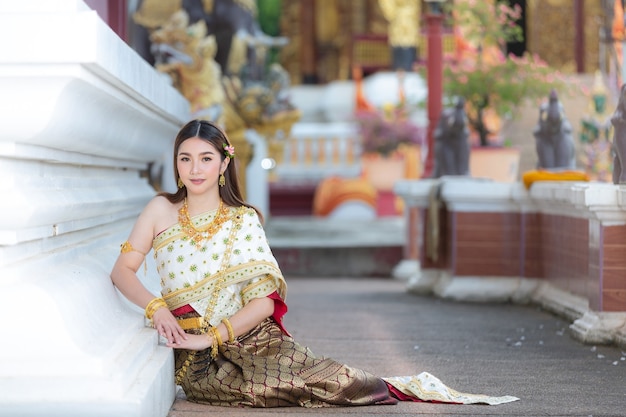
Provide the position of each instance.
(198, 236)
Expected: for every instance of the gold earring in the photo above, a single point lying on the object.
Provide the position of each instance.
(222, 181)
(180, 183)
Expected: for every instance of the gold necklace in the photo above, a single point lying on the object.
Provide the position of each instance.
(220, 279)
(198, 236)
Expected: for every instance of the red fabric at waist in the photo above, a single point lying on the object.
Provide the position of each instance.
(177, 312)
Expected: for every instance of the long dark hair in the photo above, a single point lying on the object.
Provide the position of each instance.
(230, 193)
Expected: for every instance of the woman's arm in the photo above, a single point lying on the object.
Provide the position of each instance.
(242, 322)
(124, 273)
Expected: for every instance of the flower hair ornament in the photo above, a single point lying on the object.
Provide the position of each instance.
(229, 151)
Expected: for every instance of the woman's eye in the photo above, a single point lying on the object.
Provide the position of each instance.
(206, 159)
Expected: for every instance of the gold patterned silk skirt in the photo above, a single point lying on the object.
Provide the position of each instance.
(268, 368)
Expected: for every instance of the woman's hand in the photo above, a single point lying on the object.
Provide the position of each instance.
(193, 342)
(165, 323)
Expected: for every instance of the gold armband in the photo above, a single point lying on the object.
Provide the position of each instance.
(127, 247)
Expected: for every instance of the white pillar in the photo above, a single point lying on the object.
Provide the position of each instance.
(82, 118)
(257, 182)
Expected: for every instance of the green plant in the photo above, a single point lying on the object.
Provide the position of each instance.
(483, 74)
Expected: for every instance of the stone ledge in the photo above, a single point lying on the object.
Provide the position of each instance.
(321, 232)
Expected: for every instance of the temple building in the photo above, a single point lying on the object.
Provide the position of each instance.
(328, 37)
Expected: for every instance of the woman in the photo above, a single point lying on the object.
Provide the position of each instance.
(223, 297)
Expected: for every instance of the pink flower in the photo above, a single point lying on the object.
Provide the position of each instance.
(229, 151)
(384, 130)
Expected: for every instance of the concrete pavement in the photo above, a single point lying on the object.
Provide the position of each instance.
(495, 349)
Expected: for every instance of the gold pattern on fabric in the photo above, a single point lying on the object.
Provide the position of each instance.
(233, 275)
(210, 309)
(188, 274)
(262, 288)
(267, 368)
(214, 276)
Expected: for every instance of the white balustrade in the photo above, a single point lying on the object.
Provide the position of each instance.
(317, 150)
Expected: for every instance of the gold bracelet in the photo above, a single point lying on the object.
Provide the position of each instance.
(153, 306)
(149, 311)
(229, 327)
(218, 336)
(216, 342)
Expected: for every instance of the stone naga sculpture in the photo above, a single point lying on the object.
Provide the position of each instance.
(233, 24)
(187, 55)
(618, 120)
(553, 135)
(451, 137)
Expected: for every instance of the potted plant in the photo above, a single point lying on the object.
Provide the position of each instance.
(390, 144)
(383, 131)
(483, 74)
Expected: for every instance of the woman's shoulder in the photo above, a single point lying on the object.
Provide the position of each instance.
(160, 203)
(161, 211)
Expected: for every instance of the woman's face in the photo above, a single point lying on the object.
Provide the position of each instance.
(199, 165)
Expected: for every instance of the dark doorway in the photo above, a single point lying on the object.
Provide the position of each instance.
(519, 47)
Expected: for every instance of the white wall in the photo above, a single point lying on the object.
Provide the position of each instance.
(82, 115)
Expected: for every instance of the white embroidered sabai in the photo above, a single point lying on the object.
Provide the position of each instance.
(236, 263)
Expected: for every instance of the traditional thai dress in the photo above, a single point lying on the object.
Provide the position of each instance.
(210, 271)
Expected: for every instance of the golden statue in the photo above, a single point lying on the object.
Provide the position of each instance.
(187, 54)
(403, 17)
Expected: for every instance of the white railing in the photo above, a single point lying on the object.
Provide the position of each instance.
(314, 151)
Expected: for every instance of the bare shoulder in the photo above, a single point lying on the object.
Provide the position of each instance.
(160, 213)
(160, 201)
(159, 205)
